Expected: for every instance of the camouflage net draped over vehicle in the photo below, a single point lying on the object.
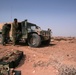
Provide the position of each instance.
(12, 57)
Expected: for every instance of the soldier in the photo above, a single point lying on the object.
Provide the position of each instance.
(14, 31)
(5, 33)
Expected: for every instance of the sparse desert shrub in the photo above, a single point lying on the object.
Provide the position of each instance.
(59, 39)
(67, 70)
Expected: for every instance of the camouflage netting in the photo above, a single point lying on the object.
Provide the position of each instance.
(12, 57)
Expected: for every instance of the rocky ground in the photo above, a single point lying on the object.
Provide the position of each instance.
(59, 58)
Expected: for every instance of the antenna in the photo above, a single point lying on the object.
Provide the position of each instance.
(11, 11)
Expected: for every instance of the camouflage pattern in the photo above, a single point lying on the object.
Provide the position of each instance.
(4, 69)
(5, 33)
(14, 32)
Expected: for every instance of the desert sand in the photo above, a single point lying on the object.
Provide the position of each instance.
(58, 58)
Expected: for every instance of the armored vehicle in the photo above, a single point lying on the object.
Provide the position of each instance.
(32, 34)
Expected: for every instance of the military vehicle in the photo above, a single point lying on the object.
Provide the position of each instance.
(32, 34)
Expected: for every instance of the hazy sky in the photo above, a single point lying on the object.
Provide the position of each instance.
(59, 15)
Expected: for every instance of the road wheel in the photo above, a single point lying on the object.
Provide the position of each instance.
(34, 40)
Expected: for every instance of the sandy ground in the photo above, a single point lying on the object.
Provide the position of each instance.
(46, 60)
